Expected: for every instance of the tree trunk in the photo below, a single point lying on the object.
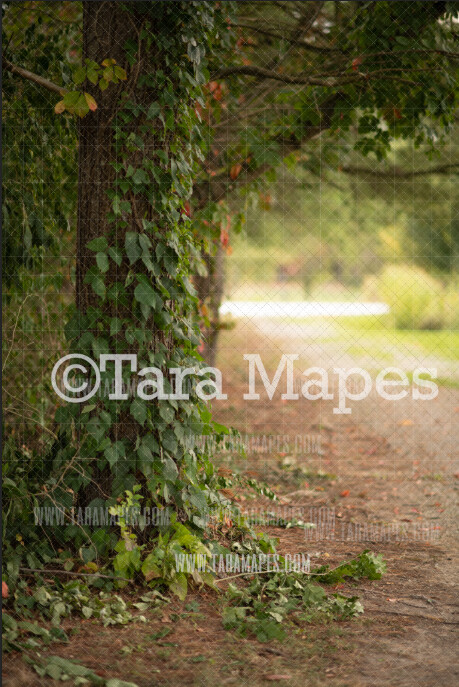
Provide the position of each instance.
(210, 292)
(107, 27)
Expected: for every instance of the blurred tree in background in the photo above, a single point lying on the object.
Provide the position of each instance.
(311, 89)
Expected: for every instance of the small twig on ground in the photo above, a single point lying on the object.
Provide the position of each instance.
(69, 572)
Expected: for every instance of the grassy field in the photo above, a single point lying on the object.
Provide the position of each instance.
(388, 346)
(378, 332)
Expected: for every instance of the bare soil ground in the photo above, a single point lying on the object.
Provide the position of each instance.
(387, 464)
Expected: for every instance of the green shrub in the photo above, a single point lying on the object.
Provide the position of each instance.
(416, 298)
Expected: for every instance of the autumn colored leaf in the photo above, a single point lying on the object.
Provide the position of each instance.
(224, 238)
(4, 590)
(235, 171)
(120, 73)
(345, 493)
(216, 89)
(91, 102)
(224, 472)
(356, 63)
(228, 493)
(59, 107)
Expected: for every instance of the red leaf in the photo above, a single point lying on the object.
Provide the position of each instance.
(235, 171)
(4, 590)
(356, 63)
(345, 493)
(216, 89)
(224, 238)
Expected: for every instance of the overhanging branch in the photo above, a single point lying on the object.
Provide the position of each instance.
(34, 78)
(326, 82)
(397, 173)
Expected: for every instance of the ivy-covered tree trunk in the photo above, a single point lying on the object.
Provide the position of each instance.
(136, 248)
(105, 32)
(210, 291)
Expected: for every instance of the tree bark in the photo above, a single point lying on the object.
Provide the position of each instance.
(107, 27)
(210, 292)
(105, 31)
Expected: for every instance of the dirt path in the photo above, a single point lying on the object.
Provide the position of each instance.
(395, 465)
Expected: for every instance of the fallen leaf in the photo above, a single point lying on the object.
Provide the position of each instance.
(4, 590)
(406, 423)
(224, 472)
(345, 492)
(228, 493)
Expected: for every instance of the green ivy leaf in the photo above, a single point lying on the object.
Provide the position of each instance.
(138, 410)
(132, 247)
(115, 254)
(153, 110)
(98, 286)
(145, 243)
(115, 326)
(98, 244)
(114, 452)
(79, 76)
(145, 294)
(169, 469)
(102, 262)
(140, 177)
(150, 567)
(179, 586)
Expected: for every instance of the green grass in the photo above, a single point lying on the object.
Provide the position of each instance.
(375, 335)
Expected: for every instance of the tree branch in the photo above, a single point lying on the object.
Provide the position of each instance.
(34, 78)
(327, 82)
(288, 39)
(398, 173)
(215, 188)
